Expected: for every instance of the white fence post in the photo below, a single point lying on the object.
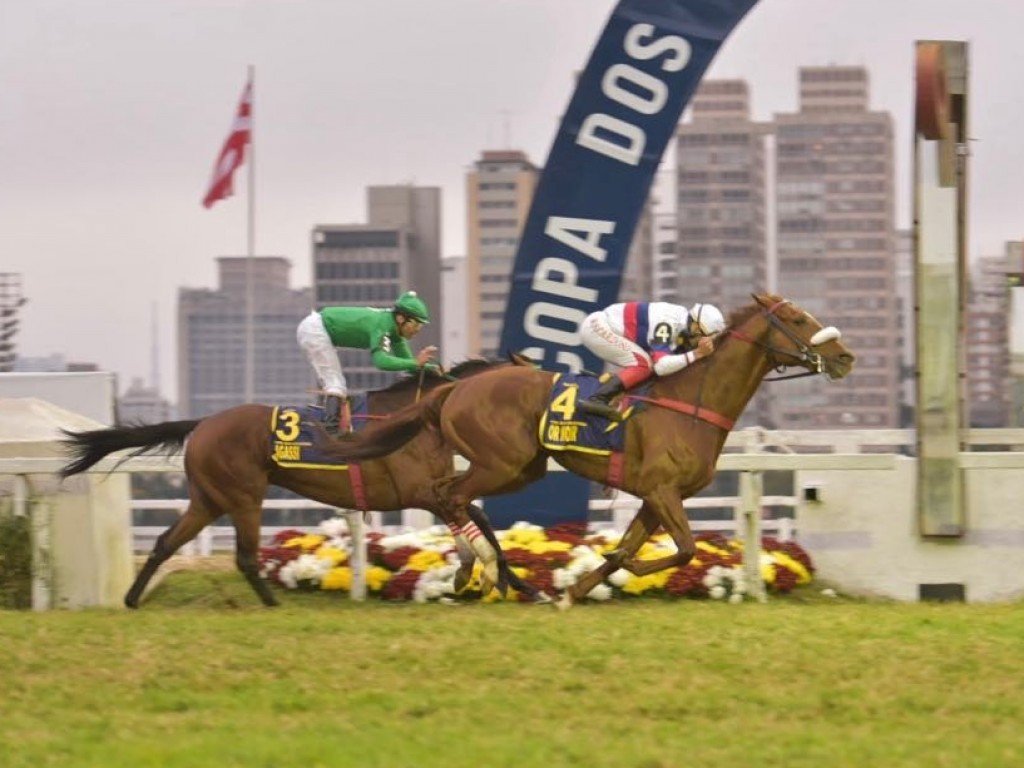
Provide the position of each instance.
(357, 530)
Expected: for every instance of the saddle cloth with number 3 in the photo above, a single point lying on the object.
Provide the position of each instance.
(291, 440)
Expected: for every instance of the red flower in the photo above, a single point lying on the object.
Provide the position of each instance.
(401, 586)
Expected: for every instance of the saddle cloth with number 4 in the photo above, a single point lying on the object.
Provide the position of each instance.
(565, 428)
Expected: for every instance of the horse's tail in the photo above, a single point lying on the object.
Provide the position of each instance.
(87, 448)
(390, 433)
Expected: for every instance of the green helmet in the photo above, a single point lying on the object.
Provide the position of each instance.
(411, 305)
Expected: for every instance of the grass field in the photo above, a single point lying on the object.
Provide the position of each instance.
(202, 676)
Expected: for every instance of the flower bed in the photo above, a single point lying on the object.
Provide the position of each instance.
(421, 565)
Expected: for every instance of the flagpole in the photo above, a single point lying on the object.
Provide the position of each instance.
(250, 347)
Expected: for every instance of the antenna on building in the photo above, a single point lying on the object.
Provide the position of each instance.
(506, 115)
(154, 351)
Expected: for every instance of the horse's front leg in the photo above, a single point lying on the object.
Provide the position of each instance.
(666, 504)
(637, 532)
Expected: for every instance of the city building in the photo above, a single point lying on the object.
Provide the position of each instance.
(835, 245)
(454, 312)
(141, 404)
(212, 338)
(370, 265)
(499, 190)
(986, 344)
(720, 239)
(11, 300)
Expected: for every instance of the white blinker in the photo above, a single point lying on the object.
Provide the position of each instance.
(825, 335)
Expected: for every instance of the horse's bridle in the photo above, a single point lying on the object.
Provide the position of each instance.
(804, 353)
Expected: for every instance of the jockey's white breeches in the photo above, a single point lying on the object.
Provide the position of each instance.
(321, 354)
(600, 336)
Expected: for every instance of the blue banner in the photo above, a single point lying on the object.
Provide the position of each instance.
(629, 99)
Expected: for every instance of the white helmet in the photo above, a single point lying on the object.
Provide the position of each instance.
(708, 318)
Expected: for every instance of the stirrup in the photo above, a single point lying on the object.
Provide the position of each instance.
(597, 408)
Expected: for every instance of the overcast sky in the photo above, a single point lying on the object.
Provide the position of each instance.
(112, 112)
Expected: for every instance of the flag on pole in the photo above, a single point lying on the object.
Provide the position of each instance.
(232, 154)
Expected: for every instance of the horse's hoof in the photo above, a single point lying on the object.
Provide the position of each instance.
(543, 598)
(489, 577)
(131, 602)
(462, 577)
(615, 557)
(486, 585)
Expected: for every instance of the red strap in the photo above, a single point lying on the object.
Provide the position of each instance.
(690, 410)
(616, 467)
(355, 475)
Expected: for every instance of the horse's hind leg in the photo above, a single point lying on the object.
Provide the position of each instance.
(180, 532)
(247, 546)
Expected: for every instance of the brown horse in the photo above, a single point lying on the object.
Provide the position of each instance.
(672, 438)
(228, 466)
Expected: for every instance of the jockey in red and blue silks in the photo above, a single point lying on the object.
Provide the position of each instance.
(646, 339)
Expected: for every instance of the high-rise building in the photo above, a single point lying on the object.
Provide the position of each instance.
(986, 344)
(454, 314)
(720, 242)
(499, 190)
(212, 338)
(835, 245)
(11, 299)
(370, 265)
(142, 404)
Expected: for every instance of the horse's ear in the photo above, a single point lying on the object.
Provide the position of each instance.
(517, 358)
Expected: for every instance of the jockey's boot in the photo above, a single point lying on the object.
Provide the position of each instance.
(597, 404)
(334, 406)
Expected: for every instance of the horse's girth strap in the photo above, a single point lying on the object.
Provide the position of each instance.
(355, 475)
(616, 469)
(689, 409)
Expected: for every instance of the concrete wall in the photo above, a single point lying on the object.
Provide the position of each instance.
(862, 535)
(81, 527)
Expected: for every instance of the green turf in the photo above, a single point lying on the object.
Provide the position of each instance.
(201, 675)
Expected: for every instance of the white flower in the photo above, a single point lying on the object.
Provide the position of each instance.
(711, 579)
(562, 578)
(736, 597)
(829, 592)
(334, 527)
(619, 578)
(717, 592)
(600, 592)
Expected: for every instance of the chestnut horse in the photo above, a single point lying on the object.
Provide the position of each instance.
(673, 437)
(228, 467)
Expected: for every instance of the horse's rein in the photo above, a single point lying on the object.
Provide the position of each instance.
(804, 351)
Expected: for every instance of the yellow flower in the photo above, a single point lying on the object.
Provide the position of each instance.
(768, 571)
(337, 578)
(713, 549)
(522, 537)
(544, 546)
(377, 577)
(335, 555)
(802, 574)
(307, 543)
(424, 560)
(637, 585)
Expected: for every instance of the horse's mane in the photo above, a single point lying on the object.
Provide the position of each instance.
(432, 378)
(740, 315)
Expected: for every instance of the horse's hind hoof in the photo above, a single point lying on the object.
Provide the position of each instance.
(462, 577)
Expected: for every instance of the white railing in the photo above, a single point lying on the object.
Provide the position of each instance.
(749, 451)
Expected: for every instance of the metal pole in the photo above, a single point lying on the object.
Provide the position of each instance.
(250, 347)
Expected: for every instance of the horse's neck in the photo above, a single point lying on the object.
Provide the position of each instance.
(724, 382)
